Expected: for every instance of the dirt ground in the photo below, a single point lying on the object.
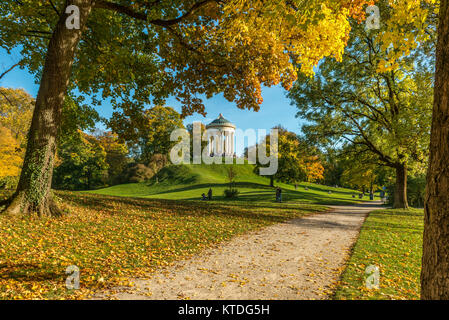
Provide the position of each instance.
(299, 259)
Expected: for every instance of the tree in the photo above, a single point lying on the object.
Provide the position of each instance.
(81, 163)
(193, 139)
(333, 168)
(116, 155)
(139, 52)
(435, 260)
(360, 176)
(150, 130)
(314, 169)
(381, 110)
(297, 161)
(157, 162)
(231, 174)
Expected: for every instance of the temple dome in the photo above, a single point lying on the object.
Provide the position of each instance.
(220, 122)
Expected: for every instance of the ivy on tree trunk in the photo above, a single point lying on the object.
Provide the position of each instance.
(33, 194)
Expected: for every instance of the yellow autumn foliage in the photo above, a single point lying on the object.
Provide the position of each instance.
(10, 154)
(404, 30)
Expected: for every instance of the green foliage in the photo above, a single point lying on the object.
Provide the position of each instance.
(81, 163)
(416, 191)
(204, 144)
(8, 182)
(333, 168)
(90, 161)
(297, 160)
(144, 53)
(116, 156)
(77, 116)
(231, 193)
(149, 131)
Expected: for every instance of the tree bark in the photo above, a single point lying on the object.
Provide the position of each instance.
(435, 260)
(33, 194)
(400, 189)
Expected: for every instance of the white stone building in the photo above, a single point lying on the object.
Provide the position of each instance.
(221, 137)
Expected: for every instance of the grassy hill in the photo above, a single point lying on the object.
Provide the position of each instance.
(188, 182)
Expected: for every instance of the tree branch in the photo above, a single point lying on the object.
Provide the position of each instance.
(102, 4)
(54, 8)
(6, 97)
(10, 69)
(367, 141)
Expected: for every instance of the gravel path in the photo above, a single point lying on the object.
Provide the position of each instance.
(300, 259)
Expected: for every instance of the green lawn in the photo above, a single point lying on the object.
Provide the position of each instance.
(188, 182)
(391, 240)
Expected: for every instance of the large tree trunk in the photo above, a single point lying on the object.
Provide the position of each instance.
(33, 194)
(435, 260)
(400, 189)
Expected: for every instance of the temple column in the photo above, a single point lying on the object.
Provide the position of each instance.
(226, 143)
(211, 145)
(217, 143)
(232, 143)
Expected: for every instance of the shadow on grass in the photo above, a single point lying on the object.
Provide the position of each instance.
(214, 185)
(320, 224)
(113, 206)
(27, 272)
(266, 193)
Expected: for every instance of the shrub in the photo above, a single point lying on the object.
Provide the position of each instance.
(138, 173)
(231, 193)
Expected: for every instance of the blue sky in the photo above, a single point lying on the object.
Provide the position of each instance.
(275, 109)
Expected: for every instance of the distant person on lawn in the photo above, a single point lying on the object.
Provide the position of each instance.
(209, 194)
(278, 194)
(204, 197)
